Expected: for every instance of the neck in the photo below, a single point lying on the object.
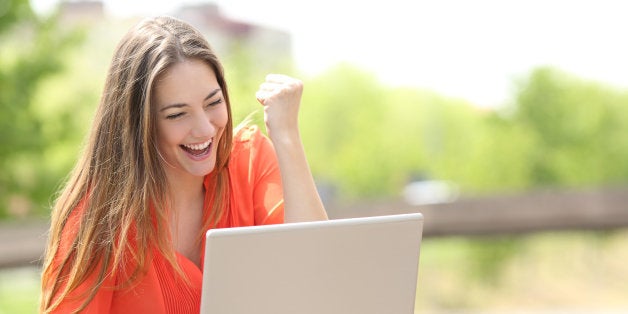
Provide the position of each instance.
(187, 195)
(184, 189)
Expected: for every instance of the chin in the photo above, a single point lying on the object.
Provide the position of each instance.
(202, 172)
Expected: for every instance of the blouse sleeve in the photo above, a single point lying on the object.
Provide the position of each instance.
(267, 191)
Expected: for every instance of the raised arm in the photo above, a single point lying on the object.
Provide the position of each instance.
(281, 97)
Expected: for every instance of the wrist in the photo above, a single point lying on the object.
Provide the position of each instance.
(284, 138)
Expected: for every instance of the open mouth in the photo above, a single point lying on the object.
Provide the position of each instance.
(198, 150)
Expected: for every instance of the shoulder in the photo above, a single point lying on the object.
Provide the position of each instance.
(247, 134)
(251, 150)
(249, 140)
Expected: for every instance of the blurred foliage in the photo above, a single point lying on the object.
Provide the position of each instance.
(12, 12)
(578, 128)
(340, 122)
(370, 139)
(19, 290)
(364, 139)
(32, 49)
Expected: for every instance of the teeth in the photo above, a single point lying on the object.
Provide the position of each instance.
(198, 146)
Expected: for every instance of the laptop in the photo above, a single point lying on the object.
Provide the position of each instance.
(356, 265)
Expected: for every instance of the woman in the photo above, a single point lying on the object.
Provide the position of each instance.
(162, 165)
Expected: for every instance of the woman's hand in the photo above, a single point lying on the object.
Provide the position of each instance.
(281, 97)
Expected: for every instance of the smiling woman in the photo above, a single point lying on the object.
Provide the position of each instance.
(162, 166)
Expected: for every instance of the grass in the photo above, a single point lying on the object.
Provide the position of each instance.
(566, 272)
(19, 290)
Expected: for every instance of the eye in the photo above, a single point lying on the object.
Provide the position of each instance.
(214, 103)
(174, 115)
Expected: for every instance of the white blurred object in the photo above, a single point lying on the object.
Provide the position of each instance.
(429, 192)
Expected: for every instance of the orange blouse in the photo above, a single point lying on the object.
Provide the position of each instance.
(256, 198)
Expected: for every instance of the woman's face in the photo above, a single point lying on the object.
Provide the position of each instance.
(191, 117)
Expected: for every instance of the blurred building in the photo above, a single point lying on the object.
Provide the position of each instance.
(266, 47)
(82, 13)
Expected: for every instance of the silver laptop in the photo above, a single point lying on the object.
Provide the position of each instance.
(358, 265)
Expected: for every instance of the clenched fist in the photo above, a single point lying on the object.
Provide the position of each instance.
(281, 97)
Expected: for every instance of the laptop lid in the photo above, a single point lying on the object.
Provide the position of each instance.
(358, 265)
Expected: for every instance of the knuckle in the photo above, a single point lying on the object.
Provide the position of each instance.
(297, 84)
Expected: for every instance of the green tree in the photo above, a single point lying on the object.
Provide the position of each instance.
(579, 129)
(370, 139)
(341, 127)
(32, 49)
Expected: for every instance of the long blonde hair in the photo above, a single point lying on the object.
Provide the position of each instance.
(118, 183)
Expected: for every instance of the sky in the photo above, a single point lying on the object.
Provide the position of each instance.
(474, 50)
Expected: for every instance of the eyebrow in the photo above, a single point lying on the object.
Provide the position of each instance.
(179, 105)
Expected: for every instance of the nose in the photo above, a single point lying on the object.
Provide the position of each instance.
(203, 127)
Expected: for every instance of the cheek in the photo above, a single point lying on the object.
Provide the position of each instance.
(166, 136)
(221, 118)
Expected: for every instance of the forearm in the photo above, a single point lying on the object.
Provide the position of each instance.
(301, 199)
